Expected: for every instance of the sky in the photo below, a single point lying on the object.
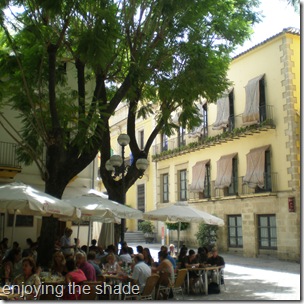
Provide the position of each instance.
(278, 15)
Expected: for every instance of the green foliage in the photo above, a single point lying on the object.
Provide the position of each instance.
(206, 235)
(71, 63)
(174, 226)
(146, 227)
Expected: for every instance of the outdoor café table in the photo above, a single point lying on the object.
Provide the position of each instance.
(6, 295)
(203, 275)
(116, 279)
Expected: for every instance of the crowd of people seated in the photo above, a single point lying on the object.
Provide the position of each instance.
(72, 263)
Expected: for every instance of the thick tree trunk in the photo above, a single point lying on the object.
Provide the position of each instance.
(48, 234)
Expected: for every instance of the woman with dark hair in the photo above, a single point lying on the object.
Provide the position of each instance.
(28, 277)
(8, 266)
(74, 275)
(182, 258)
(148, 257)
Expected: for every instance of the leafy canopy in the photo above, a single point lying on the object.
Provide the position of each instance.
(66, 66)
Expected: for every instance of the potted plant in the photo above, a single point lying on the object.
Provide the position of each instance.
(148, 230)
(174, 226)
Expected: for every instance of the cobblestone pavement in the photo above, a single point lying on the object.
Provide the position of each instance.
(252, 279)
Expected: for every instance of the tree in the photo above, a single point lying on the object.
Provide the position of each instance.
(149, 54)
(295, 4)
(206, 235)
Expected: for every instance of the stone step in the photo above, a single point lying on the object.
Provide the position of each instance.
(134, 237)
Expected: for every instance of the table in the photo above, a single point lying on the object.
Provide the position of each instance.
(116, 279)
(203, 276)
(5, 296)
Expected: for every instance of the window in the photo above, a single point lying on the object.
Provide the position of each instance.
(204, 125)
(165, 188)
(232, 189)
(201, 131)
(21, 220)
(206, 192)
(255, 107)
(258, 174)
(181, 137)
(141, 139)
(164, 142)
(222, 116)
(183, 185)
(267, 175)
(141, 198)
(231, 123)
(262, 103)
(201, 179)
(267, 232)
(226, 170)
(235, 233)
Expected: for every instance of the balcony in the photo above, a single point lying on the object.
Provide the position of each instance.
(9, 164)
(175, 146)
(237, 189)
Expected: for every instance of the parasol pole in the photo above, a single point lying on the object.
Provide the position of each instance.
(178, 235)
(89, 235)
(78, 229)
(13, 228)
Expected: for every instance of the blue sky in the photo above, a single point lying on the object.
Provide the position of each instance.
(278, 15)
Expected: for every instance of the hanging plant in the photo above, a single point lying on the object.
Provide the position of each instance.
(174, 226)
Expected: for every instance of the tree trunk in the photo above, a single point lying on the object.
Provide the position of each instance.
(48, 235)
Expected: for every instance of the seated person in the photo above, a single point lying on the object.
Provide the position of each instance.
(166, 273)
(169, 257)
(111, 249)
(74, 275)
(172, 250)
(191, 261)
(148, 257)
(141, 271)
(85, 266)
(91, 259)
(58, 264)
(125, 257)
(28, 277)
(202, 255)
(129, 249)
(182, 258)
(112, 265)
(215, 260)
(139, 249)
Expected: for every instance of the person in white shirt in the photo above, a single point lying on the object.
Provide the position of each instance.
(141, 271)
(125, 256)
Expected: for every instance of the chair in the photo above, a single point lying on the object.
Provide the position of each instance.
(90, 294)
(163, 286)
(179, 283)
(149, 287)
(221, 280)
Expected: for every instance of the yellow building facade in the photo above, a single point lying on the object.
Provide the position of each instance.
(243, 163)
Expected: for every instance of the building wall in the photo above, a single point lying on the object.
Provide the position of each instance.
(277, 58)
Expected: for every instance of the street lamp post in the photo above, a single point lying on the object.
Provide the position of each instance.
(116, 164)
